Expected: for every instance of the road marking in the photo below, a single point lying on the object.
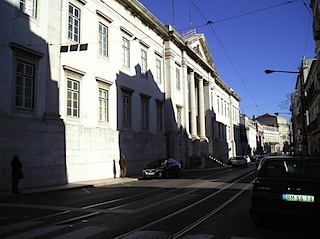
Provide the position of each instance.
(183, 209)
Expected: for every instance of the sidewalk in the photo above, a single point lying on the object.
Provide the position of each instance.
(91, 183)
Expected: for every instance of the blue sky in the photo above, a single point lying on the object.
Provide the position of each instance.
(246, 38)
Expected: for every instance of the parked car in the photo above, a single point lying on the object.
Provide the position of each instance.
(162, 168)
(238, 161)
(286, 187)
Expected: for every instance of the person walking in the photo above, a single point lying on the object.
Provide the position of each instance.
(16, 173)
(123, 166)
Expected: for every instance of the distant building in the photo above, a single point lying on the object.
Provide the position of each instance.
(248, 136)
(276, 133)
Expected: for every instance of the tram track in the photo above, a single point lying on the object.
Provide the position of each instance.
(200, 220)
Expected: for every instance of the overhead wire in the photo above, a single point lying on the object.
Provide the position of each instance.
(229, 58)
(210, 23)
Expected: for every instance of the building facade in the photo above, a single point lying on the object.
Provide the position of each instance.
(85, 81)
(248, 135)
(313, 93)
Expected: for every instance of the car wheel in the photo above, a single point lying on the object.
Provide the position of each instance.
(178, 174)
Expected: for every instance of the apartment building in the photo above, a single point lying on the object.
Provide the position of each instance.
(85, 81)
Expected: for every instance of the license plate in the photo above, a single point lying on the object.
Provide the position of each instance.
(297, 198)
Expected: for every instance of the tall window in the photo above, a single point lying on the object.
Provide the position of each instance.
(125, 52)
(73, 97)
(178, 78)
(158, 71)
(159, 117)
(143, 62)
(103, 40)
(145, 113)
(24, 85)
(179, 117)
(103, 105)
(126, 111)
(29, 7)
(74, 23)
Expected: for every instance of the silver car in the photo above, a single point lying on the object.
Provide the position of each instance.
(238, 161)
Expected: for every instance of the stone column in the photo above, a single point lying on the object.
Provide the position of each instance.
(193, 118)
(201, 110)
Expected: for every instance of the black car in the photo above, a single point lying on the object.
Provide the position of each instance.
(286, 188)
(162, 168)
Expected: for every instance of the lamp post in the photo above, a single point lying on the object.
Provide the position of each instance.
(301, 77)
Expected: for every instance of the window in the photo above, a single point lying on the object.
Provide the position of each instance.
(103, 40)
(158, 71)
(126, 111)
(74, 23)
(24, 85)
(103, 105)
(178, 78)
(145, 113)
(179, 117)
(143, 62)
(73, 97)
(125, 52)
(29, 7)
(159, 116)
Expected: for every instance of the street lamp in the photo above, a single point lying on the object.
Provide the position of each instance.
(301, 76)
(272, 71)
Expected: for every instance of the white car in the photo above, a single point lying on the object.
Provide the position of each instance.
(238, 161)
(248, 158)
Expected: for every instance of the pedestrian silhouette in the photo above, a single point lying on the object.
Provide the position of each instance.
(114, 169)
(16, 173)
(123, 166)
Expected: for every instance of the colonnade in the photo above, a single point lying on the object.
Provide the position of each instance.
(194, 109)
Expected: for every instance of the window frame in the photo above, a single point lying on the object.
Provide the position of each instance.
(73, 17)
(125, 52)
(145, 112)
(25, 4)
(29, 56)
(178, 79)
(24, 91)
(179, 109)
(73, 91)
(106, 100)
(104, 42)
(159, 106)
(144, 61)
(158, 70)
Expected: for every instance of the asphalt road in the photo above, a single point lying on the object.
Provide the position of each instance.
(201, 204)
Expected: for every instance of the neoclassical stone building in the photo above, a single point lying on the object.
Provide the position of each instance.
(85, 81)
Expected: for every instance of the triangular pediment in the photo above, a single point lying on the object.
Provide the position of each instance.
(198, 43)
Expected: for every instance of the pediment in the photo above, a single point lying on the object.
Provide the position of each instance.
(198, 43)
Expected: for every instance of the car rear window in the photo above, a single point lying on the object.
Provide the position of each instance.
(307, 169)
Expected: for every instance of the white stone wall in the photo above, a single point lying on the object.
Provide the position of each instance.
(56, 148)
